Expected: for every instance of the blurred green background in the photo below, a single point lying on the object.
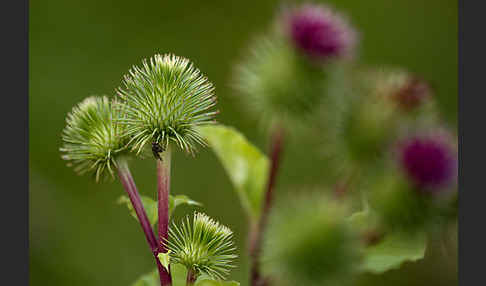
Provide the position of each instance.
(78, 234)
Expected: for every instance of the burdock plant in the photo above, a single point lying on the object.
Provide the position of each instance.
(166, 99)
(303, 71)
(160, 105)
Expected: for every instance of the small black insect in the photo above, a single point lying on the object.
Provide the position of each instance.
(157, 149)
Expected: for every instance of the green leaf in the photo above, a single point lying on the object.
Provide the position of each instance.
(211, 282)
(149, 279)
(164, 259)
(175, 201)
(178, 273)
(151, 205)
(246, 166)
(392, 251)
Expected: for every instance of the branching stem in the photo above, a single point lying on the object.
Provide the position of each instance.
(257, 230)
(129, 185)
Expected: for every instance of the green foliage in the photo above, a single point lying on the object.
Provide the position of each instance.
(391, 251)
(175, 201)
(149, 279)
(211, 282)
(165, 100)
(164, 259)
(246, 166)
(92, 138)
(205, 246)
(309, 242)
(150, 205)
(178, 273)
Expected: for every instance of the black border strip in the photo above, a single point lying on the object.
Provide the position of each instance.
(14, 137)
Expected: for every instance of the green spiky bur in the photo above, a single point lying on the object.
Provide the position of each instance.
(205, 246)
(166, 98)
(368, 129)
(309, 242)
(400, 206)
(278, 84)
(92, 137)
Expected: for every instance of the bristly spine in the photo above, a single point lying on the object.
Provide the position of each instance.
(166, 99)
(205, 246)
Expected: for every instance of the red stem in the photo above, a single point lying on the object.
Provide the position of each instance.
(258, 230)
(129, 186)
(191, 277)
(163, 190)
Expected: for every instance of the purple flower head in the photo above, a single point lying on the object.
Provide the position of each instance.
(319, 32)
(430, 162)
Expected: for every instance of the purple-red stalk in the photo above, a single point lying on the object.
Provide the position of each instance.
(163, 191)
(257, 231)
(129, 185)
(191, 277)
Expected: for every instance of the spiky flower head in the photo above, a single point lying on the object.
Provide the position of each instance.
(92, 137)
(429, 161)
(204, 247)
(309, 242)
(166, 99)
(277, 84)
(319, 32)
(398, 206)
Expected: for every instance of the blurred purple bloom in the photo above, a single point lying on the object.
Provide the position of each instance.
(429, 162)
(319, 32)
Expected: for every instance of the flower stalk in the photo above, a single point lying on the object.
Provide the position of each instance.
(129, 185)
(257, 230)
(163, 191)
(191, 277)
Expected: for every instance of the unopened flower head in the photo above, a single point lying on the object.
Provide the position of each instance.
(319, 32)
(309, 242)
(430, 161)
(92, 137)
(276, 84)
(166, 99)
(205, 246)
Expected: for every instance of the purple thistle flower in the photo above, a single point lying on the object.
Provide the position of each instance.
(319, 32)
(430, 162)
